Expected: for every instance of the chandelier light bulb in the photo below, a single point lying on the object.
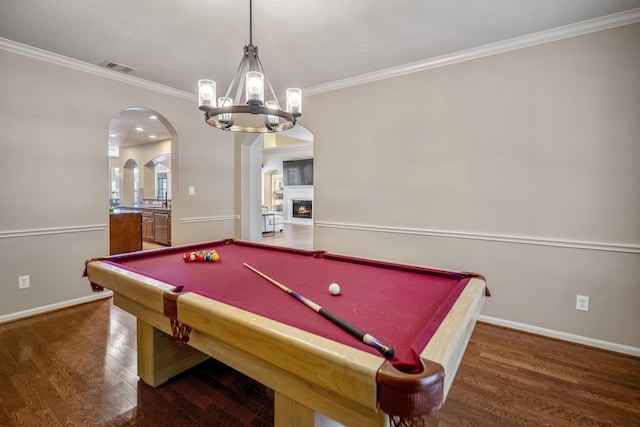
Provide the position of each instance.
(207, 93)
(225, 102)
(255, 86)
(294, 101)
(272, 105)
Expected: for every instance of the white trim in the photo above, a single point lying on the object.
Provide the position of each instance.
(53, 307)
(54, 58)
(210, 219)
(564, 336)
(53, 230)
(548, 36)
(524, 240)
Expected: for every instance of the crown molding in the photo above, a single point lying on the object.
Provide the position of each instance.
(54, 58)
(572, 30)
(548, 36)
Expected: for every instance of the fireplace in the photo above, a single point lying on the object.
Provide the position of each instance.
(302, 208)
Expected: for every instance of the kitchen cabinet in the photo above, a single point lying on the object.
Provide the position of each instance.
(155, 223)
(125, 232)
(148, 225)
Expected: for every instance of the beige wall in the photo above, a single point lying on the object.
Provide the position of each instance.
(522, 166)
(54, 176)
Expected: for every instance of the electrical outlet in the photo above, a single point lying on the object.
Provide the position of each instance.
(23, 282)
(582, 303)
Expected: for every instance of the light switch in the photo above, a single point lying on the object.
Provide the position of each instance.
(192, 190)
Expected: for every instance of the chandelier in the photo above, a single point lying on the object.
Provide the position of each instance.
(251, 113)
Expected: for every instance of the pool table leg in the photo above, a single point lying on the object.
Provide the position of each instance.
(159, 358)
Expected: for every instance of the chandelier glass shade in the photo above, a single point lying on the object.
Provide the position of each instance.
(257, 109)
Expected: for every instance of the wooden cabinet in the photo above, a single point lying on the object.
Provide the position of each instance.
(155, 224)
(125, 232)
(148, 225)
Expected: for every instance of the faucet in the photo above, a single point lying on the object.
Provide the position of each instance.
(165, 202)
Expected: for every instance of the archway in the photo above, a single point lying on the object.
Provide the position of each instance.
(294, 144)
(141, 143)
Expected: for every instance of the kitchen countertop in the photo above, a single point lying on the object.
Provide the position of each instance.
(124, 209)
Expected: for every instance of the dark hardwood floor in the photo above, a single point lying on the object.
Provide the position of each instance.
(511, 378)
(77, 367)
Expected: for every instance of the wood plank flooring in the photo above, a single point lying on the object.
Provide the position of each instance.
(77, 367)
(511, 378)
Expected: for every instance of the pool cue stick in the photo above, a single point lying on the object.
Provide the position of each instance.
(384, 349)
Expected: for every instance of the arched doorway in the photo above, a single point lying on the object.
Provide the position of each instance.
(143, 172)
(294, 144)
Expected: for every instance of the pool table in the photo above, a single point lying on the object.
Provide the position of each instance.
(320, 373)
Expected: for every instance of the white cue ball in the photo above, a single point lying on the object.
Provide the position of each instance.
(334, 289)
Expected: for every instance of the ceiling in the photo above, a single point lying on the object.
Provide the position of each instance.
(135, 126)
(302, 43)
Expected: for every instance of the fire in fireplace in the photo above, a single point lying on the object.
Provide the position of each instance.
(302, 208)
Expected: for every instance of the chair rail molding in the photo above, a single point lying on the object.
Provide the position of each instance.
(209, 219)
(7, 234)
(523, 240)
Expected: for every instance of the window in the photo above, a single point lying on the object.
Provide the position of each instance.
(136, 187)
(115, 183)
(162, 186)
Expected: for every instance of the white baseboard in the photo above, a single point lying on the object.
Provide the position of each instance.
(591, 342)
(52, 307)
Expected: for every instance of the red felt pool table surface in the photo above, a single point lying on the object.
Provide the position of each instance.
(401, 305)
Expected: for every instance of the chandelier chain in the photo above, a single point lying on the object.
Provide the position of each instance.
(250, 22)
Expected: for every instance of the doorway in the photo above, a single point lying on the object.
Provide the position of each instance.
(141, 175)
(277, 196)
